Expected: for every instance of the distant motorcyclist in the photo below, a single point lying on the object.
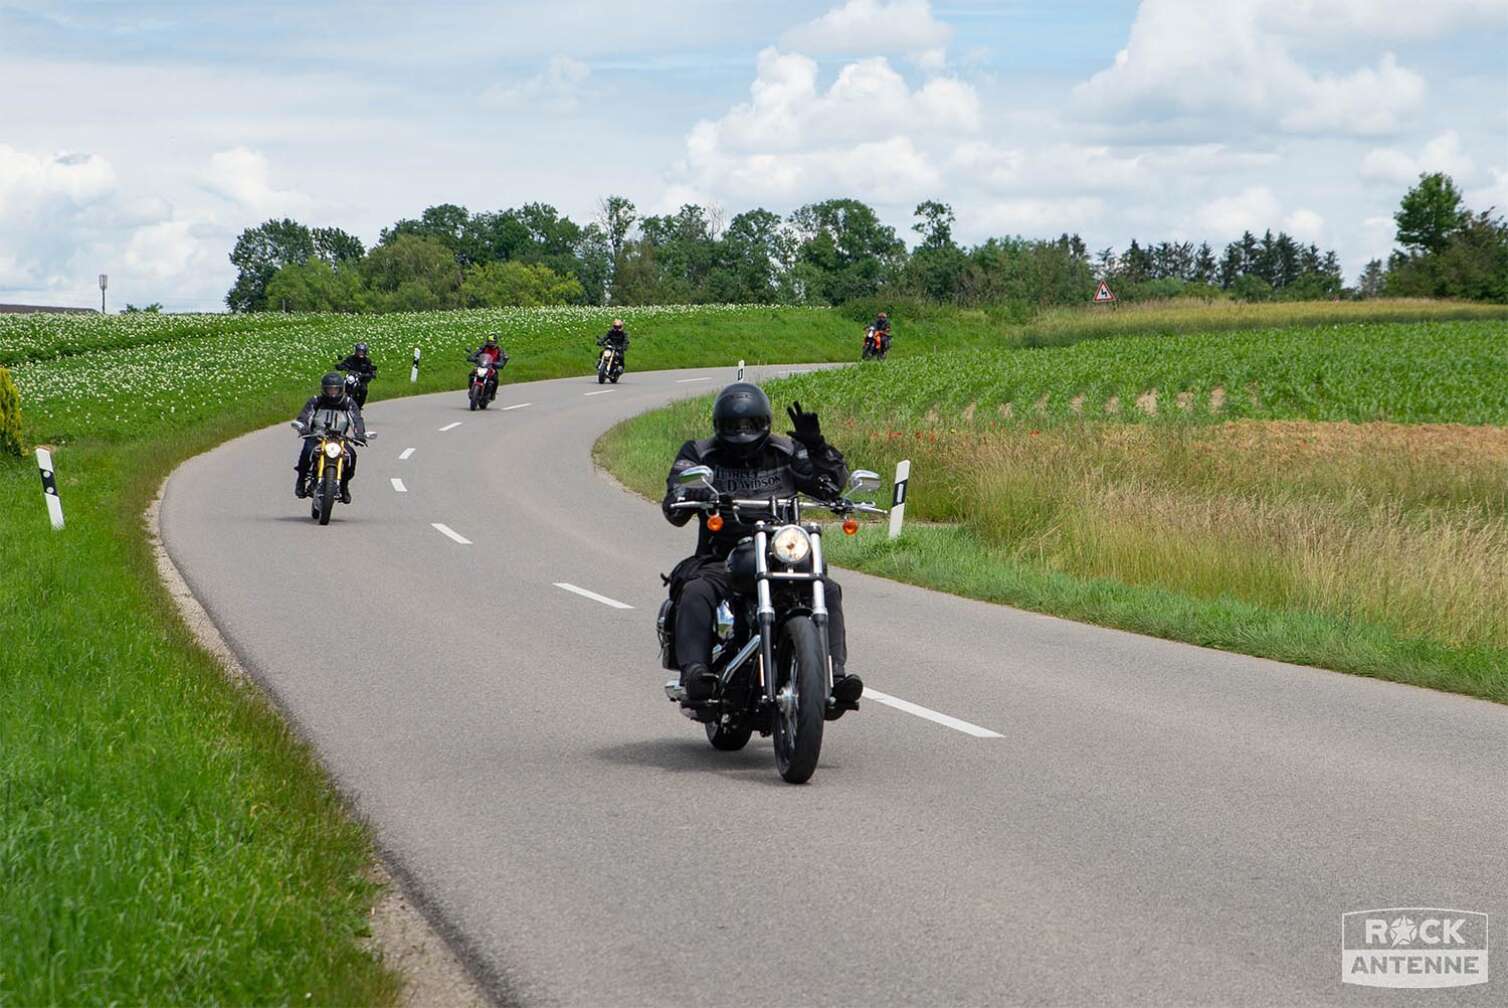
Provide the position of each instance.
(617, 338)
(493, 354)
(881, 327)
(359, 363)
(332, 396)
(747, 461)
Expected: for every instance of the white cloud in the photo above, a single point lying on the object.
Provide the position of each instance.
(1444, 153)
(1041, 217)
(1305, 225)
(1220, 67)
(868, 27)
(1494, 194)
(870, 132)
(245, 178)
(558, 87)
(1406, 20)
(51, 211)
(1252, 209)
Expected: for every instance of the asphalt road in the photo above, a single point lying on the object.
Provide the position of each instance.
(1153, 823)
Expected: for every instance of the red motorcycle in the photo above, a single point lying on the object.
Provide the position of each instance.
(482, 387)
(876, 344)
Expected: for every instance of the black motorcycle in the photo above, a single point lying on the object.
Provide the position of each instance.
(609, 365)
(356, 387)
(771, 654)
(330, 430)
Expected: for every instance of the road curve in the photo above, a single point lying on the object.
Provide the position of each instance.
(1155, 823)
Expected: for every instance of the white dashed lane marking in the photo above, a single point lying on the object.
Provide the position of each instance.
(683, 381)
(592, 595)
(405, 454)
(517, 406)
(450, 533)
(451, 426)
(398, 485)
(598, 392)
(929, 714)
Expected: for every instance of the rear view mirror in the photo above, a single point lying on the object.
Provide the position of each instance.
(695, 474)
(863, 481)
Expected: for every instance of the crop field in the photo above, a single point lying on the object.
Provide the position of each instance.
(1406, 373)
(1333, 495)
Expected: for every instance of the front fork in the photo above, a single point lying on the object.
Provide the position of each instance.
(765, 613)
(819, 608)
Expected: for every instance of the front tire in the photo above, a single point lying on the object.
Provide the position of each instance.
(329, 488)
(472, 397)
(801, 692)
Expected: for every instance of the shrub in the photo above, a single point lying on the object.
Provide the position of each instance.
(10, 415)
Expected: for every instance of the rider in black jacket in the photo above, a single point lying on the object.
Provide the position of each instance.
(617, 338)
(360, 364)
(747, 461)
(332, 395)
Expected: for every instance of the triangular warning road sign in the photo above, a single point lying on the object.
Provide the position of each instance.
(1103, 293)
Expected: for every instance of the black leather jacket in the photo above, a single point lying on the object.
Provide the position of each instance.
(781, 468)
(362, 366)
(615, 338)
(353, 412)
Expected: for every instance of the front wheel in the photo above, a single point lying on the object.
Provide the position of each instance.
(601, 376)
(329, 487)
(472, 397)
(801, 699)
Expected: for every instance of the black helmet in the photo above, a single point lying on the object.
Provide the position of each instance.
(741, 418)
(491, 341)
(361, 349)
(333, 385)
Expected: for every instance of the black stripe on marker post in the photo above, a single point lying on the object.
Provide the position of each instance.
(900, 493)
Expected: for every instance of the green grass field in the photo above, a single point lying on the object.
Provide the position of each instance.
(1334, 495)
(163, 837)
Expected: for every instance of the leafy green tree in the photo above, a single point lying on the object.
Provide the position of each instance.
(446, 223)
(336, 246)
(1429, 214)
(317, 286)
(155, 308)
(934, 222)
(757, 253)
(1205, 270)
(1369, 284)
(616, 216)
(411, 273)
(529, 285)
(847, 253)
(258, 254)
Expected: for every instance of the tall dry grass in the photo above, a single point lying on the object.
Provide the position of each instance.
(1404, 527)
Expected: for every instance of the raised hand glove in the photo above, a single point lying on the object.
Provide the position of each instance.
(808, 430)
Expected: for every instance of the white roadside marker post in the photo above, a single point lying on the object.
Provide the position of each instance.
(50, 488)
(740, 371)
(898, 502)
(413, 374)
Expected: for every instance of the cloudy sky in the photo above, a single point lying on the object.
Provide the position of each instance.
(139, 138)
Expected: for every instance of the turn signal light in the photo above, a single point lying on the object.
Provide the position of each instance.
(850, 526)
(715, 523)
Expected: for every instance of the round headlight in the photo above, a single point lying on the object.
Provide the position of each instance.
(332, 449)
(790, 544)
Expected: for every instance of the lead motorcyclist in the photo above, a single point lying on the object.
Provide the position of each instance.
(495, 355)
(617, 338)
(332, 395)
(359, 363)
(747, 461)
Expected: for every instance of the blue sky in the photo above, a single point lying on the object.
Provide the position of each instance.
(139, 138)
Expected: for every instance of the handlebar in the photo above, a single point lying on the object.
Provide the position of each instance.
(839, 506)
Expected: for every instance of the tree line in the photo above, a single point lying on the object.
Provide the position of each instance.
(830, 252)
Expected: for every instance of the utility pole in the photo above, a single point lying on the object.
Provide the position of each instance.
(103, 282)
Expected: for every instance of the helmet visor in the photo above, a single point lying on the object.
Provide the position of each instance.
(743, 430)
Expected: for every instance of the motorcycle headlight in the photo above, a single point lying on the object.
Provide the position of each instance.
(481, 372)
(791, 545)
(332, 449)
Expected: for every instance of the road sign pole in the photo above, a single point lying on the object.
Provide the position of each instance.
(50, 487)
(740, 370)
(413, 374)
(898, 501)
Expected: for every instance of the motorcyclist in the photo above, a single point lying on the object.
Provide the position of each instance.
(747, 461)
(332, 396)
(881, 327)
(493, 354)
(359, 363)
(617, 338)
